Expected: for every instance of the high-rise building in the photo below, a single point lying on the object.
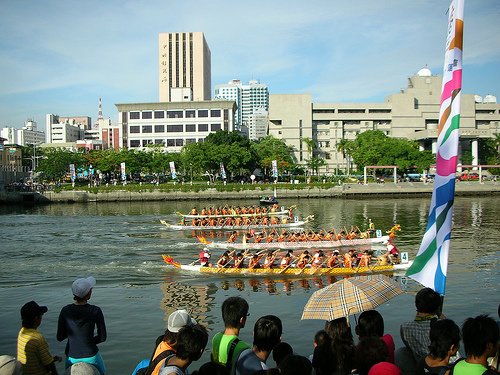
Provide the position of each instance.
(249, 98)
(28, 135)
(185, 72)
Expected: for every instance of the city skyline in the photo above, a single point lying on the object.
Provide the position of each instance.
(61, 57)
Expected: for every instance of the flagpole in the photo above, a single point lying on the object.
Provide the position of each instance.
(431, 263)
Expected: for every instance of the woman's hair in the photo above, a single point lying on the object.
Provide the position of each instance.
(370, 351)
(370, 323)
(341, 347)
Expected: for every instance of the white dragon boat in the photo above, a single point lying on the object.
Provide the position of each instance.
(358, 242)
(291, 224)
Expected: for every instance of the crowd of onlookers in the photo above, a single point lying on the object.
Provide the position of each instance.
(431, 343)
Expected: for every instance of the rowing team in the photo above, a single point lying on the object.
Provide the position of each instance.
(235, 221)
(230, 259)
(236, 210)
(302, 236)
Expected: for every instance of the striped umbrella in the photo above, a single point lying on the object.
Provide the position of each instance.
(350, 296)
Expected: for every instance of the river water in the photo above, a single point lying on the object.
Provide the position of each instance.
(45, 248)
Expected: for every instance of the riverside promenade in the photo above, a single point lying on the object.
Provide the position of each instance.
(344, 191)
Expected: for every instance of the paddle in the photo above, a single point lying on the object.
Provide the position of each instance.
(288, 266)
(305, 266)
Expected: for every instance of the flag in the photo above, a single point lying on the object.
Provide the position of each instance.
(122, 170)
(431, 263)
(172, 170)
(222, 171)
(72, 172)
(274, 164)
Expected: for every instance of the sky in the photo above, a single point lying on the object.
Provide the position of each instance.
(61, 56)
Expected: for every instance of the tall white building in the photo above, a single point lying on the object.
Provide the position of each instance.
(28, 135)
(249, 98)
(66, 129)
(185, 71)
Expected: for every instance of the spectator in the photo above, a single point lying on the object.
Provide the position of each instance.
(384, 368)
(226, 345)
(191, 342)
(32, 348)
(82, 368)
(369, 351)
(9, 365)
(415, 334)
(266, 335)
(480, 336)
(165, 344)
(320, 338)
(211, 368)
(281, 351)
(77, 323)
(445, 341)
(371, 323)
(337, 357)
(295, 365)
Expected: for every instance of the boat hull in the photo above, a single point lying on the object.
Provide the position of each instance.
(298, 245)
(296, 271)
(233, 227)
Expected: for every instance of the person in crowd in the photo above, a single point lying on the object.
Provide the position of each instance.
(445, 341)
(166, 343)
(338, 356)
(295, 365)
(83, 325)
(226, 345)
(281, 351)
(480, 337)
(32, 349)
(369, 351)
(349, 259)
(82, 368)
(415, 334)
(320, 338)
(385, 368)
(371, 323)
(211, 368)
(266, 335)
(191, 343)
(9, 365)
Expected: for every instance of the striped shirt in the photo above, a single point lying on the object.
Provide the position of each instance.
(33, 352)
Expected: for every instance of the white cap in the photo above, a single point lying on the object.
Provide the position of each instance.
(81, 287)
(179, 319)
(9, 365)
(82, 368)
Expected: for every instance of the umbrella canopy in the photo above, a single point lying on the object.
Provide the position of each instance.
(350, 296)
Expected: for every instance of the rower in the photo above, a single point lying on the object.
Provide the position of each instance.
(304, 259)
(318, 259)
(364, 261)
(232, 237)
(269, 260)
(223, 260)
(348, 259)
(193, 211)
(204, 257)
(238, 260)
(287, 259)
(332, 260)
(254, 261)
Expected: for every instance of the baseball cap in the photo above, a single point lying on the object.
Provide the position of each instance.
(179, 319)
(32, 309)
(81, 287)
(384, 368)
(82, 368)
(9, 365)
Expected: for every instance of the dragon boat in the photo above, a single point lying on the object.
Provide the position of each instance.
(358, 242)
(282, 212)
(289, 270)
(292, 224)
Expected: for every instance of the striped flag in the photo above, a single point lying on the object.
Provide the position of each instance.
(431, 263)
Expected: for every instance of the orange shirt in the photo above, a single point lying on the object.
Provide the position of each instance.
(162, 346)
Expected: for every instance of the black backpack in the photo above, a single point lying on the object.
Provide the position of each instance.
(154, 361)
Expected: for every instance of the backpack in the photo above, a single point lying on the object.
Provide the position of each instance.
(154, 361)
(231, 355)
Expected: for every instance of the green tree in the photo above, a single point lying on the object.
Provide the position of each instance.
(55, 163)
(271, 148)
